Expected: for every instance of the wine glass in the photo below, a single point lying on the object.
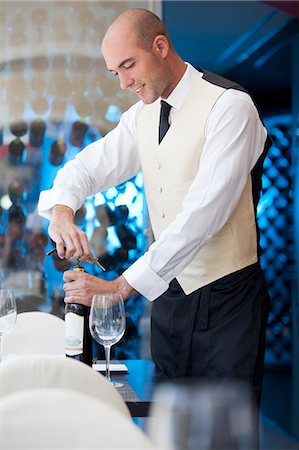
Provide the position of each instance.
(107, 323)
(8, 313)
(192, 415)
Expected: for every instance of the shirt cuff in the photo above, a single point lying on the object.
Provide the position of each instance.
(144, 280)
(49, 198)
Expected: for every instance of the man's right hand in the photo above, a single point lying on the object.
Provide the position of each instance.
(70, 240)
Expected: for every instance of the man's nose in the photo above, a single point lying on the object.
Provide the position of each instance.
(125, 81)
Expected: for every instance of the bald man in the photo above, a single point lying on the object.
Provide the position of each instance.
(202, 184)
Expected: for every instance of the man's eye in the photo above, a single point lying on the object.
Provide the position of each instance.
(129, 66)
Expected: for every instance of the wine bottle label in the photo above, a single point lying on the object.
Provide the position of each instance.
(74, 332)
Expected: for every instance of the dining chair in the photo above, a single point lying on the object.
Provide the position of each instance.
(35, 332)
(64, 419)
(52, 371)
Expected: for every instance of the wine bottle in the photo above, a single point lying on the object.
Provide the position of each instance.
(78, 340)
(19, 129)
(122, 213)
(80, 216)
(17, 214)
(78, 132)
(16, 191)
(37, 133)
(58, 149)
(108, 261)
(105, 215)
(126, 237)
(121, 255)
(15, 152)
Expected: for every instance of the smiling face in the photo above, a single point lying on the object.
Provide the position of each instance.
(144, 72)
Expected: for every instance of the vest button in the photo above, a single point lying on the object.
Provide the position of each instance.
(158, 165)
(160, 189)
(162, 215)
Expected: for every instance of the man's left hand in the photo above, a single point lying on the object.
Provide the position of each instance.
(80, 287)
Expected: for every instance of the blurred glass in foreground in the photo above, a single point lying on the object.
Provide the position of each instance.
(197, 416)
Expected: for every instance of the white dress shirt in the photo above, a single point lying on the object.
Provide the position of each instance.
(235, 140)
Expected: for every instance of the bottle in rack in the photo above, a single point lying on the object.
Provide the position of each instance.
(16, 152)
(19, 129)
(57, 152)
(78, 132)
(78, 340)
(37, 132)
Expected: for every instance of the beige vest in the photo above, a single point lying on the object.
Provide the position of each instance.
(168, 171)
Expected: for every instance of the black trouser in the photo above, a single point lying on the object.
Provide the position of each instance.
(215, 333)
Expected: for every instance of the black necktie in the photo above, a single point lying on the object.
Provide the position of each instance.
(164, 124)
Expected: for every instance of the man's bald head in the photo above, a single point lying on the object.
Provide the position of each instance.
(144, 23)
(137, 48)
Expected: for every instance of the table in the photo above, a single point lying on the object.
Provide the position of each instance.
(139, 384)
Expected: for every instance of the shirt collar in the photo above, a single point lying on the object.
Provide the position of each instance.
(180, 92)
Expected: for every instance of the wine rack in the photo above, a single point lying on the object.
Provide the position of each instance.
(57, 96)
(275, 217)
(113, 220)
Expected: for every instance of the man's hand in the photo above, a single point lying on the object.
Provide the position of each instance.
(80, 287)
(70, 240)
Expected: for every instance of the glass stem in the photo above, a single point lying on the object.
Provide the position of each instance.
(107, 357)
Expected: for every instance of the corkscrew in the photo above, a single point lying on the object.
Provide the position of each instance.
(92, 259)
(78, 266)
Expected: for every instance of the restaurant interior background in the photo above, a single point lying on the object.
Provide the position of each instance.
(57, 96)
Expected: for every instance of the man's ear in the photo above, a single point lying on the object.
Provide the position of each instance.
(161, 45)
